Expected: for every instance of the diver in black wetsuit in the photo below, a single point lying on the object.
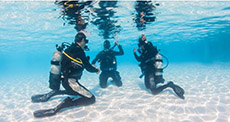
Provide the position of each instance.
(108, 64)
(150, 59)
(73, 63)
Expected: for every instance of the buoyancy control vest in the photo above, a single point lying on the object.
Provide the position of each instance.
(57, 58)
(156, 60)
(108, 61)
(56, 72)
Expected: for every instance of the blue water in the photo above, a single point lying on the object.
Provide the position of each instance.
(184, 31)
(193, 35)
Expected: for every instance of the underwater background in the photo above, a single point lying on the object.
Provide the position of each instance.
(183, 31)
(193, 35)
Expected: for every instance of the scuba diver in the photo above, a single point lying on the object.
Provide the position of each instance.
(66, 68)
(108, 64)
(150, 64)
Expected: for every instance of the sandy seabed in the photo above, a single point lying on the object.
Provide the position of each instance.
(207, 96)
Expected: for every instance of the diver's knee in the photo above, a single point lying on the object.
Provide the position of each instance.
(119, 83)
(103, 85)
(154, 91)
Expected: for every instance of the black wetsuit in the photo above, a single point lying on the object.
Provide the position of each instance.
(147, 66)
(108, 66)
(72, 72)
(73, 63)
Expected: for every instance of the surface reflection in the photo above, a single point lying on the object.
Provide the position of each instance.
(144, 13)
(75, 13)
(104, 18)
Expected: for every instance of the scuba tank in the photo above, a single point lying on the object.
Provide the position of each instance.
(158, 65)
(55, 67)
(159, 68)
(158, 61)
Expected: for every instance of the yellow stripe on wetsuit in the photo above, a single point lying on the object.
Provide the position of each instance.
(80, 62)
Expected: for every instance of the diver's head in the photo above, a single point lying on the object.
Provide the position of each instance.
(143, 37)
(81, 40)
(142, 41)
(106, 44)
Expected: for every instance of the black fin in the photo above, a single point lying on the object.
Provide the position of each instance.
(46, 97)
(44, 113)
(177, 89)
(42, 97)
(50, 112)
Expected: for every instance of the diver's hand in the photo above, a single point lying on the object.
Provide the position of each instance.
(98, 70)
(134, 50)
(116, 42)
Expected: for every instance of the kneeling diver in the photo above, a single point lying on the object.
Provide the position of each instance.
(72, 61)
(108, 64)
(150, 63)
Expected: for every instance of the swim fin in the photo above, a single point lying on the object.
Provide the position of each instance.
(44, 113)
(142, 75)
(177, 89)
(46, 97)
(50, 112)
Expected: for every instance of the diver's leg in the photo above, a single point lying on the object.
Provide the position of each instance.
(147, 85)
(74, 88)
(68, 102)
(159, 79)
(116, 77)
(103, 79)
(156, 90)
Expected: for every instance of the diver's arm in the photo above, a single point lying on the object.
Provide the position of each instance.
(138, 58)
(121, 51)
(87, 65)
(96, 59)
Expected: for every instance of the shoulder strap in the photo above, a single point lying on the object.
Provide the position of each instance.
(77, 61)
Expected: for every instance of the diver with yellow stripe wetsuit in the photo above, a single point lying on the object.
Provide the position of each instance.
(150, 63)
(73, 61)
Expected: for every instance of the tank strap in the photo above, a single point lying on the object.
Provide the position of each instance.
(55, 62)
(80, 62)
(160, 60)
